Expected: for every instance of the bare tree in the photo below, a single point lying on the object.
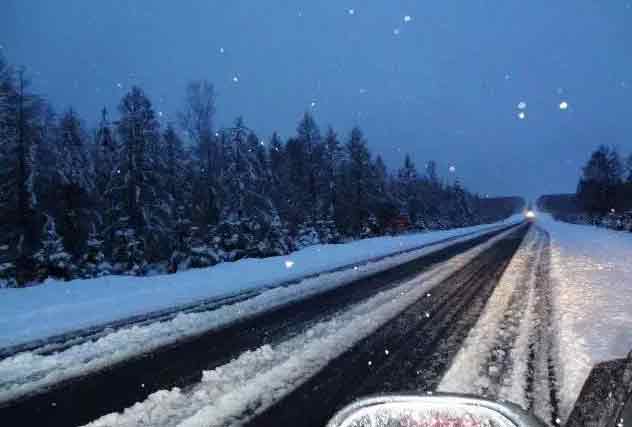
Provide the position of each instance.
(197, 122)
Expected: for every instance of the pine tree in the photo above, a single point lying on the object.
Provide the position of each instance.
(74, 182)
(93, 261)
(20, 132)
(178, 198)
(357, 183)
(597, 189)
(308, 137)
(138, 214)
(408, 183)
(52, 260)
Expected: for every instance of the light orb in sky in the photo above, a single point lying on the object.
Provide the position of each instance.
(563, 105)
(522, 105)
(522, 115)
(452, 169)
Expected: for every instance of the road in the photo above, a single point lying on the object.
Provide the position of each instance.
(412, 350)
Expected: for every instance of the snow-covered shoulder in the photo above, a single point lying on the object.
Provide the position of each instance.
(591, 270)
(57, 307)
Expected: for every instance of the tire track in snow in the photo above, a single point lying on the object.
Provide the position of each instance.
(509, 354)
(499, 364)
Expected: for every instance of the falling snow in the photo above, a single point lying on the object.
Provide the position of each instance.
(408, 18)
(522, 115)
(522, 105)
(563, 105)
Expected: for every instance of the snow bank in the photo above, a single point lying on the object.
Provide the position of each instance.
(591, 269)
(56, 307)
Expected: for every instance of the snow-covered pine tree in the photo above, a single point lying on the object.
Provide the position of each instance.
(74, 183)
(93, 262)
(52, 260)
(178, 179)
(383, 205)
(248, 211)
(408, 193)
(357, 183)
(309, 139)
(20, 133)
(138, 215)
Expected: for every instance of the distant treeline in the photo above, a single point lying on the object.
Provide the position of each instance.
(135, 197)
(603, 196)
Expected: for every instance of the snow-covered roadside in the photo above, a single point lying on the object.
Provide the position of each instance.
(29, 371)
(239, 390)
(494, 360)
(591, 273)
(57, 307)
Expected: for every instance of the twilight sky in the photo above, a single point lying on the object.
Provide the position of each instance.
(441, 79)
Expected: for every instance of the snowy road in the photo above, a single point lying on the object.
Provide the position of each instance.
(299, 338)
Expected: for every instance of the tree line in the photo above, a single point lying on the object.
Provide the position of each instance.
(133, 197)
(606, 183)
(604, 192)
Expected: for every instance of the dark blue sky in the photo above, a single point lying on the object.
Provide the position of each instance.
(443, 84)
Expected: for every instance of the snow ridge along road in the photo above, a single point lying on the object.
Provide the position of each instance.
(511, 353)
(247, 326)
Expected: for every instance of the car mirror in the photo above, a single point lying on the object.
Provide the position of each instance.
(441, 410)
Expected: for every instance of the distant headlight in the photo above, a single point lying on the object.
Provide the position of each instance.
(530, 214)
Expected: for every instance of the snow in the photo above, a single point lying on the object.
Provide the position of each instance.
(592, 280)
(57, 307)
(29, 371)
(502, 318)
(241, 389)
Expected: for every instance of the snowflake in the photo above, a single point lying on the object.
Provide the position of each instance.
(351, 11)
(221, 50)
(408, 18)
(235, 79)
(563, 105)
(289, 264)
(313, 104)
(119, 85)
(452, 169)
(522, 105)
(522, 115)
(396, 31)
